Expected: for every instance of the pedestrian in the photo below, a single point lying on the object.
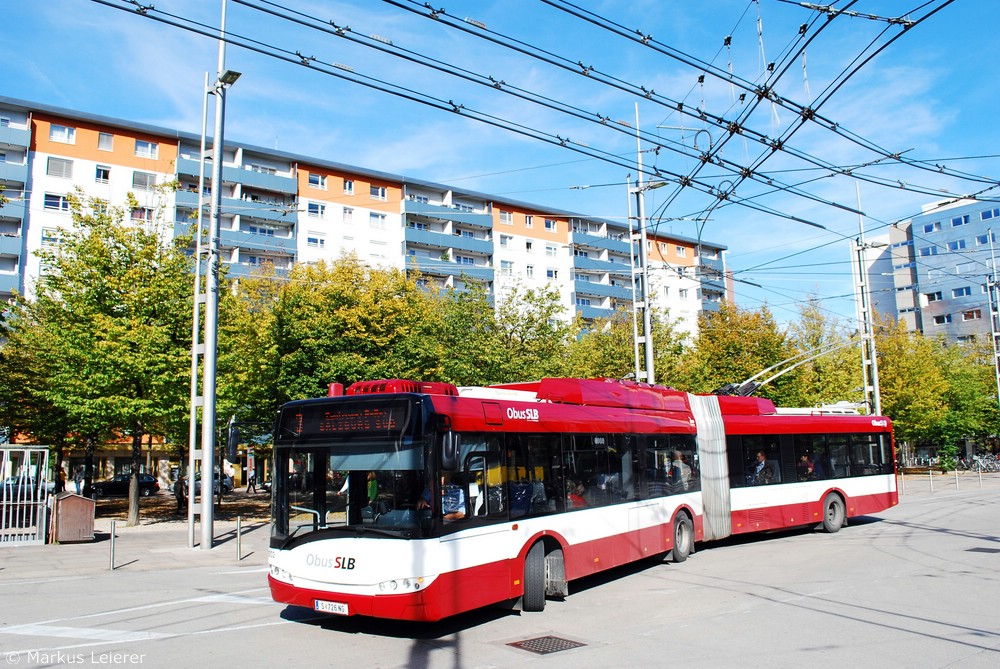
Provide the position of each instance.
(180, 494)
(252, 481)
(78, 478)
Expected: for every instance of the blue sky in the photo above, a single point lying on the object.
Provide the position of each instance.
(929, 95)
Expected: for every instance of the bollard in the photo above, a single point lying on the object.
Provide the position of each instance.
(239, 538)
(980, 479)
(112, 565)
(956, 479)
(930, 477)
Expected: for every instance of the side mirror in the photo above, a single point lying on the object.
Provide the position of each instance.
(450, 443)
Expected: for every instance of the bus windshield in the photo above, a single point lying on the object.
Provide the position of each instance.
(349, 466)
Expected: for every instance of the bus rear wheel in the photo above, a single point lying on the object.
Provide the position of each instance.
(833, 513)
(683, 538)
(534, 579)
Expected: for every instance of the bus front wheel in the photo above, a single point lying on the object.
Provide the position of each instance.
(534, 579)
(683, 538)
(833, 513)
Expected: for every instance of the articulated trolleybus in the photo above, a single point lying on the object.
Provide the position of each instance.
(418, 501)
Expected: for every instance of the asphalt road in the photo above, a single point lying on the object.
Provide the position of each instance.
(915, 586)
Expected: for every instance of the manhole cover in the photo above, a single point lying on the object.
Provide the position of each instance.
(983, 550)
(544, 645)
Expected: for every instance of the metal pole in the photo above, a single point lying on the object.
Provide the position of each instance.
(208, 437)
(196, 399)
(239, 536)
(111, 566)
(640, 194)
(868, 329)
(635, 294)
(930, 477)
(995, 313)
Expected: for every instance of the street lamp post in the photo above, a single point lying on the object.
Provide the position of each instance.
(224, 79)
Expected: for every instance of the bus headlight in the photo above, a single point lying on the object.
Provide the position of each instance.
(280, 574)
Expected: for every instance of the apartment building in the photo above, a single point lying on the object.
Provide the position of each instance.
(281, 208)
(941, 264)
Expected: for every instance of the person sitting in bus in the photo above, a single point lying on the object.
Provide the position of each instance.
(761, 473)
(575, 493)
(452, 500)
(805, 468)
(680, 473)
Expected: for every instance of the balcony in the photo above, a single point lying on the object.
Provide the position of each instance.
(14, 173)
(439, 240)
(598, 242)
(250, 241)
(593, 313)
(593, 265)
(714, 264)
(710, 306)
(246, 271)
(444, 213)
(11, 245)
(265, 211)
(19, 137)
(432, 267)
(13, 209)
(602, 290)
(271, 182)
(9, 283)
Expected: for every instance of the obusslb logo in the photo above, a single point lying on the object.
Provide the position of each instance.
(522, 414)
(340, 562)
(880, 422)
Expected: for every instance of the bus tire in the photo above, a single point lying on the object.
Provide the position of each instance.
(534, 579)
(833, 513)
(683, 538)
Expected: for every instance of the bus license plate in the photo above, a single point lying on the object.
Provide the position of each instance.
(331, 607)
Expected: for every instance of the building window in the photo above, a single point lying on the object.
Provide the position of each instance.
(260, 230)
(529, 222)
(50, 236)
(467, 208)
(56, 202)
(142, 214)
(315, 240)
(316, 209)
(102, 174)
(317, 180)
(145, 149)
(468, 234)
(972, 315)
(682, 251)
(348, 186)
(956, 245)
(4, 122)
(682, 293)
(105, 141)
(581, 253)
(465, 260)
(933, 297)
(550, 225)
(550, 250)
(348, 215)
(62, 134)
(932, 227)
(942, 320)
(59, 167)
(583, 301)
(982, 240)
(959, 220)
(378, 192)
(928, 251)
(262, 169)
(989, 213)
(551, 274)
(964, 291)
(529, 271)
(905, 265)
(506, 267)
(418, 225)
(420, 199)
(506, 217)
(528, 246)
(143, 180)
(3, 156)
(376, 221)
(505, 240)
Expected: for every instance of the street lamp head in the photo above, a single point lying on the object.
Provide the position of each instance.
(653, 185)
(229, 77)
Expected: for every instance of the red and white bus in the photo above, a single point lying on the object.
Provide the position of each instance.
(418, 501)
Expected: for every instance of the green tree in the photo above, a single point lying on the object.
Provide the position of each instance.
(112, 313)
(530, 334)
(913, 386)
(734, 344)
(835, 375)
